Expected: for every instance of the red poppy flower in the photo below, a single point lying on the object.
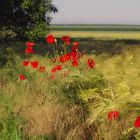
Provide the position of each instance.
(53, 70)
(91, 63)
(62, 59)
(30, 44)
(137, 122)
(113, 115)
(66, 39)
(50, 39)
(42, 69)
(74, 55)
(75, 44)
(74, 49)
(34, 64)
(74, 63)
(67, 56)
(21, 77)
(25, 63)
(58, 67)
(29, 50)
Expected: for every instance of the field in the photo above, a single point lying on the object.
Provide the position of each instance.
(97, 32)
(95, 27)
(77, 102)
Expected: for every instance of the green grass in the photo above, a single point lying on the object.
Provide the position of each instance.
(95, 27)
(75, 106)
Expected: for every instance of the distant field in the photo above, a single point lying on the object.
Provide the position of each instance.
(97, 31)
(99, 34)
(96, 27)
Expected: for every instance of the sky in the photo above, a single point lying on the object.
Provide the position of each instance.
(97, 12)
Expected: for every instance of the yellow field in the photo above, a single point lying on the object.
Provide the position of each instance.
(99, 34)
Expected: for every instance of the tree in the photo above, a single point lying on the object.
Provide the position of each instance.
(26, 18)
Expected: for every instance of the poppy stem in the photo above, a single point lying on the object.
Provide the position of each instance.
(65, 50)
(54, 51)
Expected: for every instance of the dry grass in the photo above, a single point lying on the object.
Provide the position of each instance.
(74, 107)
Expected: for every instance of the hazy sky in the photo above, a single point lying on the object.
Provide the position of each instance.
(97, 11)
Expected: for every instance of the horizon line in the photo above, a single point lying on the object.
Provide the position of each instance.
(100, 24)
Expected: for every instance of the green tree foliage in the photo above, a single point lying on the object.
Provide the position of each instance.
(25, 17)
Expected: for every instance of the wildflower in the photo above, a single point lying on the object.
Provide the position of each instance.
(53, 70)
(74, 55)
(29, 50)
(74, 52)
(113, 115)
(34, 64)
(75, 44)
(66, 40)
(42, 69)
(30, 44)
(74, 63)
(55, 40)
(21, 77)
(50, 39)
(137, 122)
(58, 67)
(25, 63)
(91, 63)
(62, 59)
(74, 49)
(67, 56)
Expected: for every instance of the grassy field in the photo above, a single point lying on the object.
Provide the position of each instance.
(97, 31)
(103, 35)
(73, 103)
(95, 27)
